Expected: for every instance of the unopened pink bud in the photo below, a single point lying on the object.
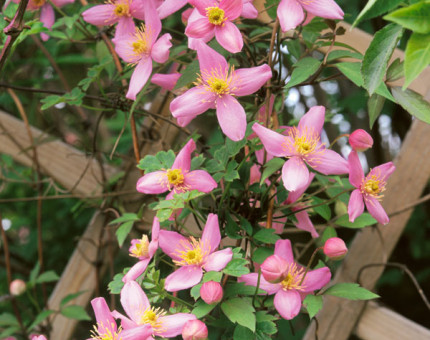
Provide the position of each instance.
(273, 269)
(360, 140)
(335, 248)
(194, 330)
(37, 337)
(211, 292)
(17, 287)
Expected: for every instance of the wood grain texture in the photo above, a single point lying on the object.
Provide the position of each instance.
(384, 324)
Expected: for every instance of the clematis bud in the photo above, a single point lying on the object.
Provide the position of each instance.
(335, 248)
(211, 292)
(17, 287)
(273, 269)
(194, 330)
(360, 140)
(37, 337)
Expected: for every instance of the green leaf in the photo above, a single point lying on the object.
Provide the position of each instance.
(303, 69)
(197, 162)
(414, 17)
(261, 254)
(322, 210)
(294, 48)
(189, 75)
(361, 221)
(40, 317)
(116, 284)
(417, 56)
(48, 276)
(271, 167)
(328, 232)
(236, 267)
(126, 217)
(413, 103)
(313, 304)
(202, 309)
(341, 54)
(34, 273)
(268, 327)
(350, 291)
(266, 236)
(240, 310)
(375, 8)
(242, 333)
(231, 173)
(70, 297)
(377, 56)
(75, 312)
(212, 276)
(123, 231)
(395, 71)
(233, 148)
(234, 289)
(221, 155)
(374, 106)
(8, 319)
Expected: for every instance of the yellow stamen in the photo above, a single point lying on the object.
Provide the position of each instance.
(218, 81)
(215, 15)
(373, 185)
(121, 10)
(101, 332)
(305, 142)
(150, 316)
(194, 253)
(141, 44)
(175, 177)
(293, 278)
(140, 249)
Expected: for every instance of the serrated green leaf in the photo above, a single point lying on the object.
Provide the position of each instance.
(166, 158)
(341, 54)
(395, 70)
(48, 276)
(123, 231)
(189, 75)
(374, 107)
(361, 221)
(240, 310)
(233, 148)
(212, 276)
(267, 236)
(149, 163)
(267, 327)
(231, 173)
(376, 8)
(236, 267)
(70, 297)
(303, 69)
(195, 291)
(271, 167)
(40, 317)
(202, 309)
(75, 312)
(413, 103)
(313, 304)
(377, 56)
(242, 333)
(414, 17)
(197, 162)
(350, 291)
(322, 210)
(417, 56)
(221, 155)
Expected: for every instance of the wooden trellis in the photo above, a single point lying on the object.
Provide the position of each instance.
(339, 318)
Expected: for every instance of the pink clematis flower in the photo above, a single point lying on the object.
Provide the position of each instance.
(106, 326)
(141, 46)
(303, 146)
(293, 285)
(216, 19)
(194, 255)
(144, 251)
(291, 14)
(116, 11)
(141, 314)
(369, 189)
(38, 337)
(179, 178)
(168, 7)
(216, 88)
(47, 15)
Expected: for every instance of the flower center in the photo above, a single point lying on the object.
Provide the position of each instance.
(215, 15)
(305, 143)
(151, 316)
(218, 86)
(39, 3)
(142, 40)
(193, 254)
(139, 46)
(175, 177)
(218, 81)
(104, 333)
(121, 10)
(139, 248)
(293, 278)
(373, 186)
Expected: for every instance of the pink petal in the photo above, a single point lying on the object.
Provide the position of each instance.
(47, 15)
(139, 332)
(218, 260)
(211, 235)
(136, 270)
(139, 78)
(313, 120)
(192, 103)
(126, 323)
(100, 15)
(201, 5)
(356, 174)
(376, 210)
(249, 11)
(382, 171)
(250, 80)
(183, 159)
(209, 59)
(166, 81)
(171, 242)
(355, 205)
(229, 37)
(293, 196)
(252, 279)
(183, 278)
(328, 162)
(124, 48)
(231, 117)
(61, 3)
(288, 303)
(152, 20)
(273, 142)
(323, 8)
(283, 249)
(200, 180)
(160, 50)
(125, 26)
(172, 324)
(169, 7)
(305, 223)
(316, 279)
(152, 183)
(295, 174)
(155, 231)
(199, 28)
(290, 14)
(103, 314)
(137, 9)
(232, 8)
(134, 300)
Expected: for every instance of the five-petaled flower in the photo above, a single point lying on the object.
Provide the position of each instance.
(368, 189)
(194, 255)
(293, 285)
(216, 88)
